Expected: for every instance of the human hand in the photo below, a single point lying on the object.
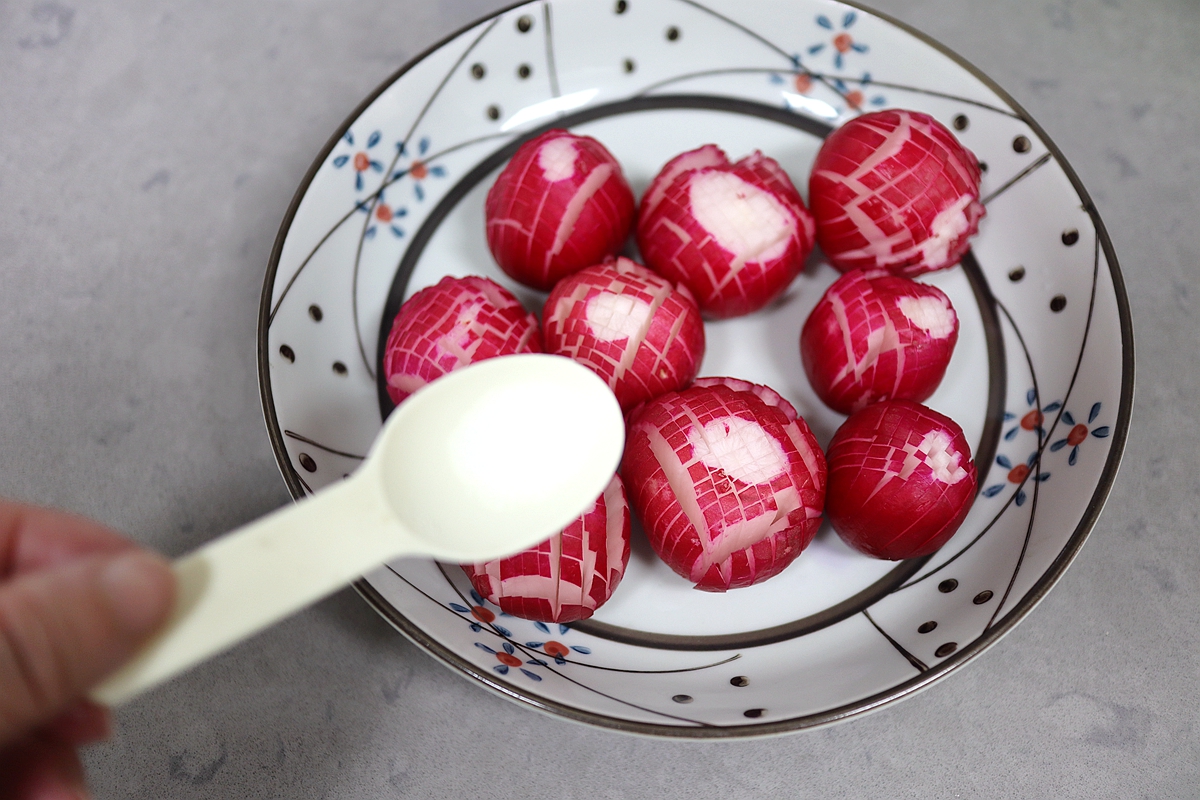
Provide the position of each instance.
(76, 601)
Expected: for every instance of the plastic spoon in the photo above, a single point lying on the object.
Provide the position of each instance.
(484, 462)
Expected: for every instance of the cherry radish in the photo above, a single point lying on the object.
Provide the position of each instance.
(568, 576)
(456, 322)
(560, 205)
(727, 479)
(876, 336)
(735, 234)
(635, 329)
(895, 190)
(901, 480)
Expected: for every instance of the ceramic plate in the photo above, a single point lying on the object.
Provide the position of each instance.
(1041, 380)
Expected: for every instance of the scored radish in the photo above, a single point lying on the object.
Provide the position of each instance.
(735, 234)
(456, 322)
(560, 205)
(727, 479)
(895, 190)
(568, 576)
(901, 480)
(632, 327)
(875, 336)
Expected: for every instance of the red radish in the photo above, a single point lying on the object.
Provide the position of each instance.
(895, 190)
(728, 484)
(633, 328)
(455, 323)
(560, 205)
(568, 576)
(901, 480)
(735, 234)
(875, 336)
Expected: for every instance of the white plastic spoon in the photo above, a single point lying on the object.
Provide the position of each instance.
(483, 462)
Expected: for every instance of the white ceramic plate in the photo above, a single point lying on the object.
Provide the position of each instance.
(1041, 381)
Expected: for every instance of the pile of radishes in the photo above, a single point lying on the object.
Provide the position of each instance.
(726, 478)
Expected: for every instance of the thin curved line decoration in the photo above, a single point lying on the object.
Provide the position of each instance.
(1020, 176)
(506, 636)
(918, 664)
(792, 58)
(401, 148)
(346, 127)
(1044, 435)
(826, 78)
(301, 438)
(549, 37)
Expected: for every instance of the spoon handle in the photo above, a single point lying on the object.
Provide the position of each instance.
(256, 575)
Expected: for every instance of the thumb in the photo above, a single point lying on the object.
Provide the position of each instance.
(64, 629)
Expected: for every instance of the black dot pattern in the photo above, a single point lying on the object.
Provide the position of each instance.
(478, 71)
(1058, 303)
(1070, 237)
(947, 586)
(682, 698)
(927, 627)
(1021, 144)
(307, 462)
(961, 122)
(672, 34)
(982, 597)
(524, 71)
(629, 65)
(754, 713)
(316, 313)
(946, 649)
(339, 368)
(287, 353)
(740, 681)
(621, 6)
(493, 112)
(524, 23)
(1016, 274)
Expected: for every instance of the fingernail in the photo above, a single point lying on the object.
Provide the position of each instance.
(140, 587)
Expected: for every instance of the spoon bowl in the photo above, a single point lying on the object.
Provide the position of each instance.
(484, 462)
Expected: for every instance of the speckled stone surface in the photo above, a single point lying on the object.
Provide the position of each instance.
(147, 154)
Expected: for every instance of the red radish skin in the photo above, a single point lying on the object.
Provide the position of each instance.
(560, 205)
(635, 329)
(571, 574)
(729, 486)
(734, 234)
(764, 393)
(875, 336)
(901, 480)
(895, 190)
(456, 322)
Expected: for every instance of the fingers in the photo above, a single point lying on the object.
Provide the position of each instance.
(33, 538)
(65, 628)
(82, 723)
(42, 767)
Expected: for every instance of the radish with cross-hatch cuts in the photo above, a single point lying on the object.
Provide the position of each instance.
(727, 480)
(875, 336)
(901, 480)
(735, 234)
(894, 190)
(561, 204)
(635, 329)
(456, 322)
(568, 576)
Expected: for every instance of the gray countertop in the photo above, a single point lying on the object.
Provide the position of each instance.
(147, 155)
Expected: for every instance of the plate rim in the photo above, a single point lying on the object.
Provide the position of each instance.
(893, 694)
